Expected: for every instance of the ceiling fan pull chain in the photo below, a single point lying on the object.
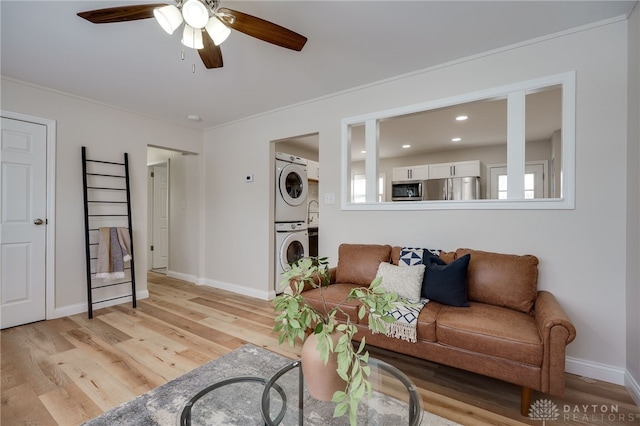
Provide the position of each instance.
(193, 68)
(182, 54)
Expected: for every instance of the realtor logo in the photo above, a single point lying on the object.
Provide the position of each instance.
(543, 409)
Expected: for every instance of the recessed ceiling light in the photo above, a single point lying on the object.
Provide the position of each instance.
(405, 146)
(461, 117)
(194, 117)
(363, 152)
(456, 139)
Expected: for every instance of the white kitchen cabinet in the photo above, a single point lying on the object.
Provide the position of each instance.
(313, 170)
(411, 173)
(455, 169)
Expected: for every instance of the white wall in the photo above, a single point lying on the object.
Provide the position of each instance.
(185, 206)
(633, 208)
(107, 133)
(581, 251)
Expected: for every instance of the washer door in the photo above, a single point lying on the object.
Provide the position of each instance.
(293, 184)
(293, 248)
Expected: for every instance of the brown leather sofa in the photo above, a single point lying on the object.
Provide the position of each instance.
(510, 330)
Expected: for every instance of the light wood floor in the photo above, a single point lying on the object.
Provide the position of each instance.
(68, 370)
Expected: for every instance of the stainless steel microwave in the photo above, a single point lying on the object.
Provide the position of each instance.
(407, 190)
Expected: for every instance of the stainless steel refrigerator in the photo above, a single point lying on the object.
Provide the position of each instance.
(456, 188)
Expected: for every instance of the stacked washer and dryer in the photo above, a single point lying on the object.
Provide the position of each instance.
(291, 236)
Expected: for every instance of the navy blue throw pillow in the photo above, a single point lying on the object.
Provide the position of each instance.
(430, 257)
(444, 283)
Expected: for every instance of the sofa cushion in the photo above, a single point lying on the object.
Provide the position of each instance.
(358, 263)
(426, 329)
(444, 283)
(406, 281)
(502, 279)
(448, 256)
(491, 330)
(334, 294)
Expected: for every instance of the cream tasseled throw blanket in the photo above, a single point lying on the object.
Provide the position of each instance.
(406, 320)
(114, 249)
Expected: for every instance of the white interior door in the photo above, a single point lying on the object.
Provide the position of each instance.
(160, 216)
(23, 219)
(534, 182)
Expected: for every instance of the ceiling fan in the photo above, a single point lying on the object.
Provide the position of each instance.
(206, 25)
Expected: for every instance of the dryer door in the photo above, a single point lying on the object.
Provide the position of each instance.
(294, 247)
(293, 184)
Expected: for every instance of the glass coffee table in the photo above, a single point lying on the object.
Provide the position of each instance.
(394, 399)
(233, 401)
(284, 400)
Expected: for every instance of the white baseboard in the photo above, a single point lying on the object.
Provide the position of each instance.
(595, 370)
(258, 294)
(80, 308)
(183, 277)
(633, 387)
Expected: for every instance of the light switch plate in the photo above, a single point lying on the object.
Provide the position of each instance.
(329, 198)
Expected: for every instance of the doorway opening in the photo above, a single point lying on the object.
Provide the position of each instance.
(305, 220)
(159, 199)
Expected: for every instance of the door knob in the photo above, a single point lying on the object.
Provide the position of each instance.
(38, 222)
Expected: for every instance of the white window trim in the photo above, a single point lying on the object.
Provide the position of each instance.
(568, 82)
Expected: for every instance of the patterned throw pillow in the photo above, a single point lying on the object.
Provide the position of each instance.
(410, 256)
(404, 280)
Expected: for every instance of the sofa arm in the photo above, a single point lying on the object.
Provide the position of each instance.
(550, 314)
(332, 275)
(557, 332)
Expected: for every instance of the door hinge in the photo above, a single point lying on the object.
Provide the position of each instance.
(152, 174)
(151, 248)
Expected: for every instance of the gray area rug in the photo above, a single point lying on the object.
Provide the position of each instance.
(238, 403)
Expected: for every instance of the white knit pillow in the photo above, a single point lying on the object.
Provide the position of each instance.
(404, 280)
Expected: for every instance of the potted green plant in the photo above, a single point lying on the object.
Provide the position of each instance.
(295, 317)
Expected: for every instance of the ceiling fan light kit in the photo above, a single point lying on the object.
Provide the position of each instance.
(192, 37)
(198, 15)
(195, 13)
(217, 30)
(169, 18)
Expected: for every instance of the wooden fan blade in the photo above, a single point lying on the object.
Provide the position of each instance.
(120, 13)
(211, 54)
(264, 30)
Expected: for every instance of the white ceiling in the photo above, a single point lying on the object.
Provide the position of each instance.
(137, 67)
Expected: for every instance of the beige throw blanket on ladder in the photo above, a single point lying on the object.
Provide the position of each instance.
(114, 249)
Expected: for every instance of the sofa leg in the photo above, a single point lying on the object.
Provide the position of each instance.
(525, 400)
